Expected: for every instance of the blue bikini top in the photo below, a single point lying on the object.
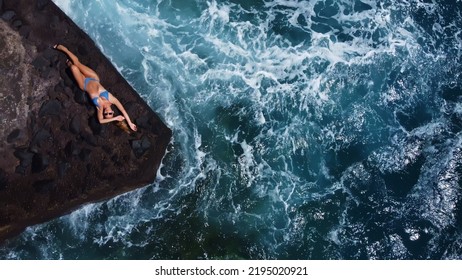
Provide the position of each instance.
(104, 94)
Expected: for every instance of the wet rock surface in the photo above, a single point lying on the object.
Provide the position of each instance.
(54, 154)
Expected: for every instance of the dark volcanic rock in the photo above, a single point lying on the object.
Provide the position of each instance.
(80, 97)
(71, 149)
(40, 63)
(39, 163)
(74, 126)
(54, 154)
(85, 154)
(143, 122)
(63, 167)
(41, 4)
(140, 146)
(17, 24)
(45, 186)
(15, 135)
(24, 30)
(95, 126)
(89, 138)
(3, 180)
(21, 169)
(52, 107)
(24, 156)
(40, 138)
(8, 15)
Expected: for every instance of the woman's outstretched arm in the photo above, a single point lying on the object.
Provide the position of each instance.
(121, 108)
(102, 120)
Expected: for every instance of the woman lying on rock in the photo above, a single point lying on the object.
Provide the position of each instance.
(88, 81)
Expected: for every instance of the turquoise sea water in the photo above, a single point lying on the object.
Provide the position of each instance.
(318, 129)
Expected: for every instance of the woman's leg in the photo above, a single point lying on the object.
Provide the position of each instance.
(78, 76)
(85, 70)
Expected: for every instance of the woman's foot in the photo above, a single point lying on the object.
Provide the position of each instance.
(59, 47)
(69, 63)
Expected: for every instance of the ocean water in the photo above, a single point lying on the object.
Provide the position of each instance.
(317, 129)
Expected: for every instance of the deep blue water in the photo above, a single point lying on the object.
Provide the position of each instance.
(318, 129)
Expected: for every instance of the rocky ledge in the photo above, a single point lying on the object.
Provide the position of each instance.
(54, 154)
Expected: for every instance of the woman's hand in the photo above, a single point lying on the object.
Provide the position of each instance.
(119, 118)
(132, 126)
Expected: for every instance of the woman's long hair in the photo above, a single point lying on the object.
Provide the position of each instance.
(124, 126)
